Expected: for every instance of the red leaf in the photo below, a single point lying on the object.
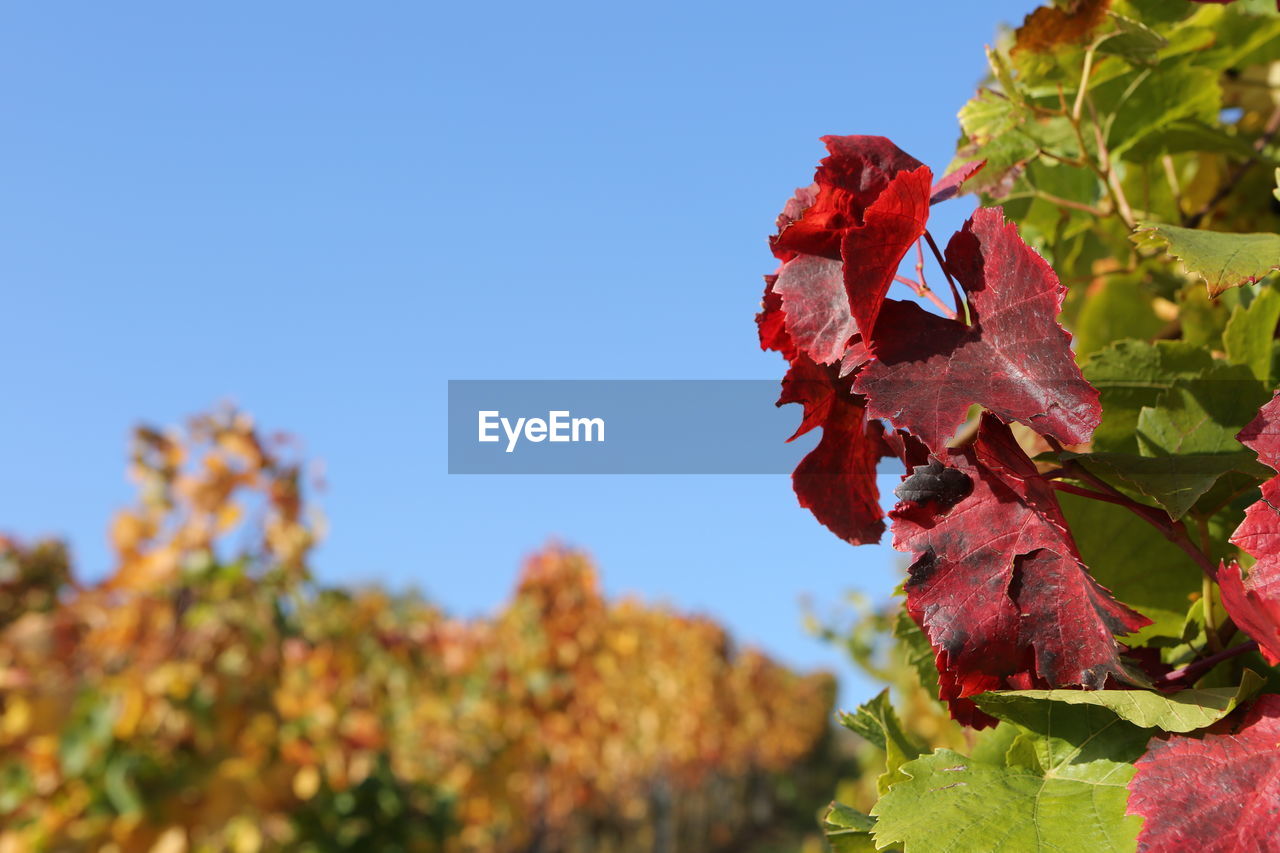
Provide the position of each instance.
(853, 176)
(815, 308)
(771, 323)
(868, 204)
(1254, 601)
(1216, 794)
(998, 586)
(872, 251)
(949, 185)
(1015, 359)
(836, 481)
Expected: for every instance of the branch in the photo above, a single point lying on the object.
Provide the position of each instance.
(1192, 672)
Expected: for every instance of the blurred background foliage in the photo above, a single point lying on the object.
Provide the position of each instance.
(209, 695)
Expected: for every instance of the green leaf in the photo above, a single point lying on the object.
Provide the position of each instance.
(1131, 558)
(920, 655)
(1221, 259)
(848, 830)
(1184, 711)
(1117, 307)
(877, 722)
(1142, 105)
(1250, 334)
(1133, 374)
(1201, 415)
(1176, 483)
(1134, 41)
(950, 802)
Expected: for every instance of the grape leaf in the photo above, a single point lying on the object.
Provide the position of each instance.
(815, 308)
(1223, 260)
(951, 802)
(1050, 26)
(948, 186)
(997, 585)
(1132, 374)
(1174, 482)
(1184, 711)
(1130, 557)
(871, 253)
(878, 723)
(771, 322)
(868, 204)
(1254, 601)
(1218, 793)
(1015, 359)
(1201, 415)
(1254, 604)
(1251, 331)
(848, 830)
(836, 481)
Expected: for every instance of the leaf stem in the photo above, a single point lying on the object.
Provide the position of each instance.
(1174, 531)
(1206, 592)
(1084, 83)
(961, 310)
(1192, 672)
(923, 291)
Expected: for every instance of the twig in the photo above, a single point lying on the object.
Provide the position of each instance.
(1174, 531)
(1191, 673)
(1206, 592)
(1084, 83)
(1175, 186)
(923, 290)
(961, 310)
(1075, 205)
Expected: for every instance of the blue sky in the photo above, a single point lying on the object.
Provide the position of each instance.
(324, 211)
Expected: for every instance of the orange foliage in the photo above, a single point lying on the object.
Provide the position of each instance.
(211, 698)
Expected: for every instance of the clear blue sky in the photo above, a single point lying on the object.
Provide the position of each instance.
(323, 211)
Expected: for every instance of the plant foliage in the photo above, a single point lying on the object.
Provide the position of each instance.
(1093, 517)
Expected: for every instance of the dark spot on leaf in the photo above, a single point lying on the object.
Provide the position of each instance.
(935, 483)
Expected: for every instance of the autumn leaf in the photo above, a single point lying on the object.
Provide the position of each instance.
(1015, 360)
(1050, 26)
(836, 481)
(1254, 601)
(815, 308)
(868, 204)
(997, 584)
(1218, 793)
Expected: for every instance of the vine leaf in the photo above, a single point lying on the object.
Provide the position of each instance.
(953, 802)
(814, 307)
(878, 723)
(1184, 711)
(848, 830)
(1222, 259)
(1015, 360)
(1220, 792)
(1254, 601)
(948, 186)
(836, 481)
(998, 586)
(868, 204)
